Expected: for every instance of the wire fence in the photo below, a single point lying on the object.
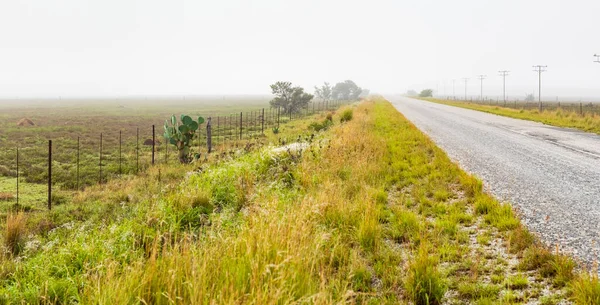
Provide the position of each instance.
(75, 162)
(576, 107)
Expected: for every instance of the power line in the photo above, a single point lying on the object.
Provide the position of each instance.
(539, 69)
(465, 79)
(504, 73)
(481, 78)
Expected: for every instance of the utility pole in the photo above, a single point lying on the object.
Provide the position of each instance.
(539, 69)
(597, 58)
(466, 80)
(481, 78)
(504, 73)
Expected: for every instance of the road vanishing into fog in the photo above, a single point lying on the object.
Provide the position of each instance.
(550, 175)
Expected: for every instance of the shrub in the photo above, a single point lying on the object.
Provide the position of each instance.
(424, 283)
(15, 232)
(346, 115)
(329, 117)
(275, 130)
(318, 126)
(59, 198)
(426, 93)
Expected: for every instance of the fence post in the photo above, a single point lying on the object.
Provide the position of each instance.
(263, 121)
(241, 125)
(17, 175)
(137, 150)
(100, 176)
(120, 156)
(580, 108)
(77, 184)
(49, 174)
(153, 143)
(199, 137)
(208, 135)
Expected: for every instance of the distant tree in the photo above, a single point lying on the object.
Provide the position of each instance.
(323, 92)
(529, 97)
(365, 93)
(347, 90)
(411, 93)
(290, 99)
(426, 93)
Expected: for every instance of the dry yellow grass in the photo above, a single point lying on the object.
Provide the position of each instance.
(14, 232)
(589, 122)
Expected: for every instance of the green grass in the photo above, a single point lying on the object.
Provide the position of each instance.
(31, 195)
(65, 121)
(371, 212)
(557, 117)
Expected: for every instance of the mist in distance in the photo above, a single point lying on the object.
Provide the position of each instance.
(139, 50)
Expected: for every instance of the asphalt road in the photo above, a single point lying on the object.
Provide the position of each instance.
(550, 175)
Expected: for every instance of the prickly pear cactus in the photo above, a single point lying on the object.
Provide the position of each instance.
(181, 134)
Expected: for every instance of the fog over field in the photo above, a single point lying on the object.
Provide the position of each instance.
(74, 48)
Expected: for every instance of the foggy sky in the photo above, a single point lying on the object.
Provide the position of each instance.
(146, 47)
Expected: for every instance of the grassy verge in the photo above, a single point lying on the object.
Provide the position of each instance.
(370, 211)
(560, 117)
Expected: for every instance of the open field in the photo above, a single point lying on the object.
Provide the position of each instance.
(65, 121)
(586, 117)
(116, 132)
(371, 211)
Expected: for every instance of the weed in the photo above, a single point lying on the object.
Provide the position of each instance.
(476, 291)
(519, 239)
(537, 257)
(405, 226)
(424, 283)
(14, 232)
(585, 289)
(485, 204)
(517, 282)
(346, 115)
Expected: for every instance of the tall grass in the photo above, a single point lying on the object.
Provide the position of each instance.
(424, 282)
(367, 214)
(586, 289)
(14, 232)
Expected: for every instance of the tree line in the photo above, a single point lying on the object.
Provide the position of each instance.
(293, 99)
